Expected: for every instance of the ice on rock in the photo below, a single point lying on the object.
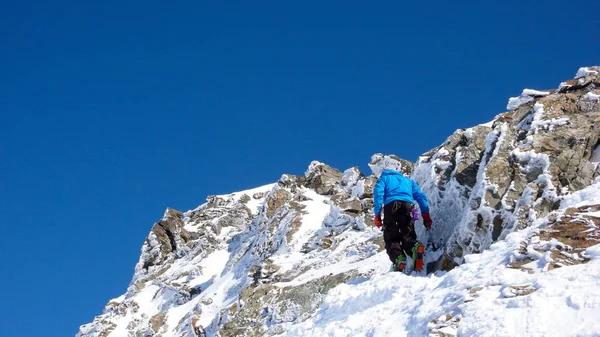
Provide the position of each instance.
(515, 102)
(585, 71)
(590, 96)
(526, 96)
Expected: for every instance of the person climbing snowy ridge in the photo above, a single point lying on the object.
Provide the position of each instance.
(398, 193)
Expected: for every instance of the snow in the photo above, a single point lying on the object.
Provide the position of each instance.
(479, 292)
(587, 196)
(488, 124)
(538, 123)
(515, 102)
(592, 214)
(531, 92)
(380, 163)
(526, 96)
(595, 159)
(311, 223)
(254, 204)
(585, 71)
(590, 96)
(350, 177)
(593, 252)
(312, 167)
(563, 86)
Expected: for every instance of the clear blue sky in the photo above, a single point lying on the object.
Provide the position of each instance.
(113, 111)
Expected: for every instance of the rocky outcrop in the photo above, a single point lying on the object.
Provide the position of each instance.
(277, 199)
(565, 238)
(380, 162)
(262, 311)
(487, 181)
(322, 178)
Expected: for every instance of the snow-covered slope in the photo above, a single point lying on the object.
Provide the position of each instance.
(300, 257)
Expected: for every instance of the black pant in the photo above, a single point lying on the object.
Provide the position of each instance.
(398, 229)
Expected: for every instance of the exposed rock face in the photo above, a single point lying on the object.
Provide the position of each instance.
(503, 175)
(566, 237)
(167, 241)
(322, 178)
(277, 199)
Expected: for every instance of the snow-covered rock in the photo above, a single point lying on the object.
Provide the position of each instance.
(590, 96)
(526, 96)
(323, 178)
(516, 210)
(586, 71)
(380, 162)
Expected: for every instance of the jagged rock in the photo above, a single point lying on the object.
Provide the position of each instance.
(237, 215)
(167, 236)
(266, 306)
(472, 146)
(351, 176)
(351, 206)
(245, 198)
(584, 77)
(380, 162)
(277, 199)
(368, 185)
(322, 177)
(340, 196)
(291, 181)
(502, 175)
(157, 321)
(367, 205)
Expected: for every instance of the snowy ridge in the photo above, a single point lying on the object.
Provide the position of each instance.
(301, 257)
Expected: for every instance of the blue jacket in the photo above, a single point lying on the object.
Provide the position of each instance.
(392, 185)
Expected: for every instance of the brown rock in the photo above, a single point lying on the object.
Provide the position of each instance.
(323, 178)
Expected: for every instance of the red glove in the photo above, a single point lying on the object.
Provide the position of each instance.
(427, 221)
(378, 222)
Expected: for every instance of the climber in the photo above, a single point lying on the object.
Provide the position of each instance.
(398, 193)
(198, 328)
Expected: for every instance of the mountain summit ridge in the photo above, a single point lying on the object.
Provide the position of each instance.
(301, 256)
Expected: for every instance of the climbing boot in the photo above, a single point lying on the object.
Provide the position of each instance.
(400, 263)
(417, 256)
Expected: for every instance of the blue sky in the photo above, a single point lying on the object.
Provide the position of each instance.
(113, 111)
